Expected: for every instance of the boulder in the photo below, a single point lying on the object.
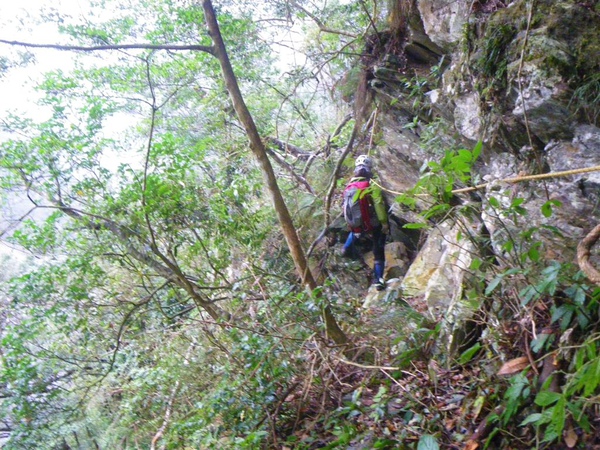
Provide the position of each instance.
(577, 196)
(468, 117)
(435, 278)
(444, 21)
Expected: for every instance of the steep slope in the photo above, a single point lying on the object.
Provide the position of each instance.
(487, 332)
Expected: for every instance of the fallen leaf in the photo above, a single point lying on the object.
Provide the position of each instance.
(570, 437)
(471, 445)
(450, 424)
(514, 366)
(478, 406)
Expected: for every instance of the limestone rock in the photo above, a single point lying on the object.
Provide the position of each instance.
(467, 116)
(578, 195)
(443, 21)
(436, 276)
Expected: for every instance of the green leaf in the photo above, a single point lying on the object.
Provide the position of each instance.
(591, 378)
(494, 202)
(514, 395)
(465, 155)
(538, 343)
(533, 253)
(532, 418)
(477, 150)
(493, 284)
(468, 354)
(546, 398)
(508, 246)
(527, 294)
(415, 226)
(428, 442)
(547, 207)
(557, 424)
(576, 293)
(564, 313)
(475, 264)
(437, 209)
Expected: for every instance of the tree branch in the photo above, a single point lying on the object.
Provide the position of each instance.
(169, 409)
(583, 255)
(289, 148)
(93, 48)
(300, 179)
(320, 24)
(170, 272)
(258, 148)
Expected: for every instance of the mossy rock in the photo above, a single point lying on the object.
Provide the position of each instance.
(561, 41)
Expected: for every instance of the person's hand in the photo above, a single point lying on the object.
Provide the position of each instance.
(385, 228)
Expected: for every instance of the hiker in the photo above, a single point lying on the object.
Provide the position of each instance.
(365, 213)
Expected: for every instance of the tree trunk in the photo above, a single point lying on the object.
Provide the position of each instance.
(258, 148)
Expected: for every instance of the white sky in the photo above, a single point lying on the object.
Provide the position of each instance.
(18, 23)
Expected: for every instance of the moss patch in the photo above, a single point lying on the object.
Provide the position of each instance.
(577, 26)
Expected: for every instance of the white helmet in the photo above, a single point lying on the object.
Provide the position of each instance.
(364, 160)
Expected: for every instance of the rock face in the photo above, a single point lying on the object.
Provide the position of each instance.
(435, 278)
(443, 21)
(523, 82)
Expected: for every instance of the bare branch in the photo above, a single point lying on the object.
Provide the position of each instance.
(299, 178)
(289, 148)
(320, 24)
(93, 48)
(335, 175)
(583, 255)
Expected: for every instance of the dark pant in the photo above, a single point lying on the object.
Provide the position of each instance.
(378, 238)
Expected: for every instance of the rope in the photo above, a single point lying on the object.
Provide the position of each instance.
(541, 176)
(373, 125)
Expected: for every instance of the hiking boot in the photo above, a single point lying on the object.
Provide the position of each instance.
(379, 284)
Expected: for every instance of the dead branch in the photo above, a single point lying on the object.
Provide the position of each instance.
(286, 147)
(583, 255)
(299, 178)
(335, 134)
(335, 175)
(93, 48)
(320, 24)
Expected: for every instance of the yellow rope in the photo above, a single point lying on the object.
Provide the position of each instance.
(511, 180)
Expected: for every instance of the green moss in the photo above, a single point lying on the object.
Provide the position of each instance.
(586, 99)
(577, 26)
(492, 63)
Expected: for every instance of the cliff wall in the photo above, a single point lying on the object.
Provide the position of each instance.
(522, 78)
